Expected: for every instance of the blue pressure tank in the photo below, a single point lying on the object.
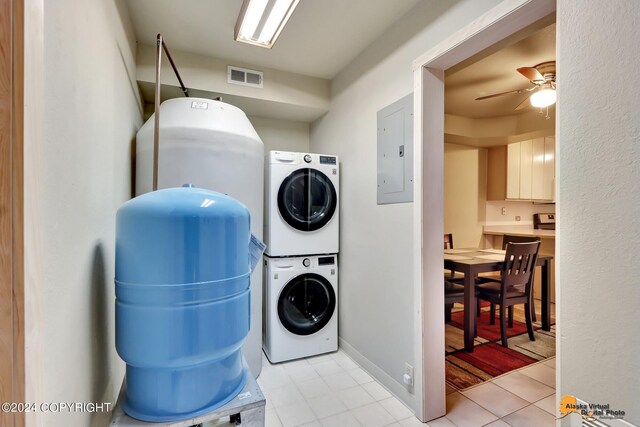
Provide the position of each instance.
(182, 301)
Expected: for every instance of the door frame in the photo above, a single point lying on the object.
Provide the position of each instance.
(12, 367)
(505, 19)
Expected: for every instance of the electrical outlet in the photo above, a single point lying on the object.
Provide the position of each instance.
(517, 217)
(408, 375)
(504, 211)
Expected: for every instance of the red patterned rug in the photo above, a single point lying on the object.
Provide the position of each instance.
(485, 329)
(494, 359)
(489, 358)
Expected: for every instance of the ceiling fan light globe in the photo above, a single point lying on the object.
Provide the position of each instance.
(543, 98)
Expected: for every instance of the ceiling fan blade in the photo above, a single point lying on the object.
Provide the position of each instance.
(506, 93)
(524, 104)
(532, 74)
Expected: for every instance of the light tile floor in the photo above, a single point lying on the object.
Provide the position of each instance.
(331, 390)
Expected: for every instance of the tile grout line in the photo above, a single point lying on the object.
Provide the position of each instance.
(360, 385)
(334, 392)
(508, 373)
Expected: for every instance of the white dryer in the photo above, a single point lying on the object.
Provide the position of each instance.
(301, 197)
(300, 307)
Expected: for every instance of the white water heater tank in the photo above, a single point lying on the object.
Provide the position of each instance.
(211, 145)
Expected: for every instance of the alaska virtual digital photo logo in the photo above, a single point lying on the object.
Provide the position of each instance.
(588, 411)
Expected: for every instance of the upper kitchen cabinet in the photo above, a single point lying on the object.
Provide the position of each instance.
(522, 171)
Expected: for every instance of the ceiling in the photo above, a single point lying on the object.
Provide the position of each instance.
(494, 71)
(320, 39)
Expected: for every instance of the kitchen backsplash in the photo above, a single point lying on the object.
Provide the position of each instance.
(524, 210)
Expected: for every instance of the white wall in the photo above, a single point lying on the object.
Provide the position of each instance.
(376, 283)
(465, 194)
(283, 135)
(598, 143)
(77, 175)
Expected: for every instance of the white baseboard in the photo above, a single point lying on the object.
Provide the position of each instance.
(387, 381)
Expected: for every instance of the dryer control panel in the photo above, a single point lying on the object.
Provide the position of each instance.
(327, 160)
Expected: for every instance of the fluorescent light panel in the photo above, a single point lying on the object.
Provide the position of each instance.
(261, 21)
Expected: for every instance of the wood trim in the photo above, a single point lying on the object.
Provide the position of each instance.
(17, 200)
(12, 368)
(6, 251)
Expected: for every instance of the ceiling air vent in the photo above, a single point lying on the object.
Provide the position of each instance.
(242, 76)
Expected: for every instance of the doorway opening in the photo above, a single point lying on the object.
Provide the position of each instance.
(499, 173)
(495, 26)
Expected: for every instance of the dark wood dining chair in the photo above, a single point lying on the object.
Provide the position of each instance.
(448, 244)
(454, 293)
(508, 238)
(515, 286)
(448, 241)
(453, 287)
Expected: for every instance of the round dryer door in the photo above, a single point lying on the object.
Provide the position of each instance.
(307, 199)
(306, 304)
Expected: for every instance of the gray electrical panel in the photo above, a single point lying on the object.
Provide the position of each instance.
(395, 152)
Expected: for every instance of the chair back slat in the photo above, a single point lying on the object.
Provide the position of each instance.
(519, 266)
(508, 238)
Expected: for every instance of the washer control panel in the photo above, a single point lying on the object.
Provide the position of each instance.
(326, 260)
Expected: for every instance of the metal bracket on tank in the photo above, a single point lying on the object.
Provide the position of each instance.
(160, 45)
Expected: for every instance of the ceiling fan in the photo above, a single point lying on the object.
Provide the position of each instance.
(543, 79)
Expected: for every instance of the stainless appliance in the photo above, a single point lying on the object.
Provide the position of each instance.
(544, 221)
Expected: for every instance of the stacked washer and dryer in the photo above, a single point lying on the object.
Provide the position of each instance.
(301, 268)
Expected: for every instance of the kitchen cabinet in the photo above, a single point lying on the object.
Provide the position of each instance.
(513, 172)
(537, 168)
(522, 170)
(549, 177)
(526, 157)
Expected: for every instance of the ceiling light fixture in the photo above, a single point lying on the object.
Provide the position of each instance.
(261, 21)
(543, 98)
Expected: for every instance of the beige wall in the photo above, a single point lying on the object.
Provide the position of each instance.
(284, 95)
(283, 135)
(465, 194)
(78, 172)
(466, 209)
(523, 209)
(493, 131)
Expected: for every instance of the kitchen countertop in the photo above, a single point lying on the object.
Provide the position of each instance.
(518, 230)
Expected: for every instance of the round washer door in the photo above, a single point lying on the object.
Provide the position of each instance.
(306, 304)
(307, 199)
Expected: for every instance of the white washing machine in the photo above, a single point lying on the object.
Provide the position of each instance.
(300, 307)
(301, 198)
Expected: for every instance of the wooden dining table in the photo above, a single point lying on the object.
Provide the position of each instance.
(471, 262)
